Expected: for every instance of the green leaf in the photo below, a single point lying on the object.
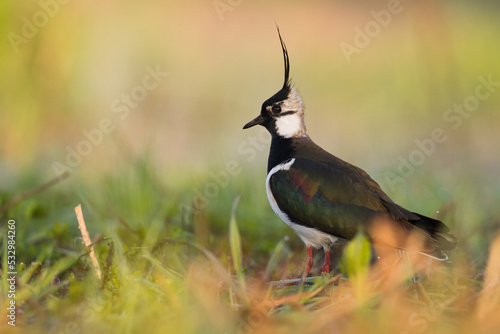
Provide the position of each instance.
(356, 258)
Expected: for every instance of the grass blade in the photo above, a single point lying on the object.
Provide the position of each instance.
(235, 243)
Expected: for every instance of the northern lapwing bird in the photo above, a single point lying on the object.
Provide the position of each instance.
(325, 199)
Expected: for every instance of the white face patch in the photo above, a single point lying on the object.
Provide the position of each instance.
(289, 126)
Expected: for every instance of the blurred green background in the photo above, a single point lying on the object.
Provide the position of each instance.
(64, 66)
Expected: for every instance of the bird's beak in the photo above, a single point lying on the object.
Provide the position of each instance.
(256, 121)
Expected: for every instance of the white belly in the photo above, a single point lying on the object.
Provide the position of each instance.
(310, 236)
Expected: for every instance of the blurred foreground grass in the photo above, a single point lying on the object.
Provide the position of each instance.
(169, 273)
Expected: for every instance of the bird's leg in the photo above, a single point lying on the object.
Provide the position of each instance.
(309, 262)
(326, 265)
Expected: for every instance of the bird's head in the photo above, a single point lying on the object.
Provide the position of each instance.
(283, 113)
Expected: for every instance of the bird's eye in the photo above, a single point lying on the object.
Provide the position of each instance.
(276, 109)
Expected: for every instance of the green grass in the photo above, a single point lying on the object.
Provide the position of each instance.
(158, 276)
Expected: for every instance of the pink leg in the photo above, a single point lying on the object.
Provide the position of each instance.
(326, 265)
(309, 262)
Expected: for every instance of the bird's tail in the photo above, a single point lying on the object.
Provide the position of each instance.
(441, 239)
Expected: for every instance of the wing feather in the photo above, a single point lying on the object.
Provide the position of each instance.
(339, 199)
(328, 197)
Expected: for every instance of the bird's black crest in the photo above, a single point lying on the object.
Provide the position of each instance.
(286, 83)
